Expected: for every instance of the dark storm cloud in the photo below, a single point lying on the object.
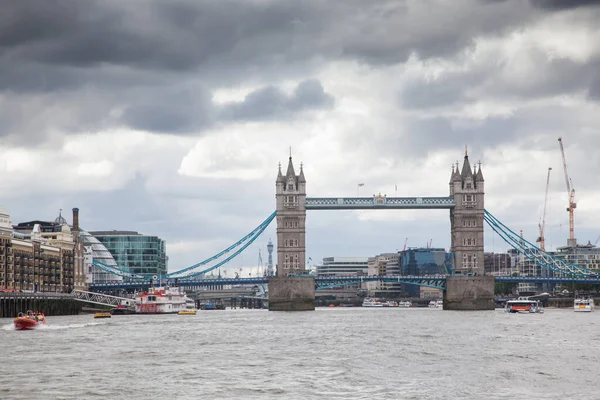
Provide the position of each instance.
(184, 35)
(99, 64)
(485, 82)
(564, 4)
(271, 102)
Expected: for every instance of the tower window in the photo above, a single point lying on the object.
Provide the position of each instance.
(290, 187)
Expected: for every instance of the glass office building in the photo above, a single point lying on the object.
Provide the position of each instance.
(137, 253)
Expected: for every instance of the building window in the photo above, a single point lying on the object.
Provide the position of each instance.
(286, 244)
(290, 187)
(469, 261)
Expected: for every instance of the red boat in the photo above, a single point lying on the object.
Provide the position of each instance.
(30, 321)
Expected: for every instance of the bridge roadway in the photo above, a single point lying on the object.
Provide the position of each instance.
(435, 281)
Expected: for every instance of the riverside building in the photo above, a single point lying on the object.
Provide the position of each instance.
(134, 252)
(36, 259)
(343, 266)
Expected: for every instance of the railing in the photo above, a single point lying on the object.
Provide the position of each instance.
(98, 298)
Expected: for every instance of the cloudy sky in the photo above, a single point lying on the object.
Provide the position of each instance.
(170, 118)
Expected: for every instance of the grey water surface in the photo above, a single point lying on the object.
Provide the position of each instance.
(331, 353)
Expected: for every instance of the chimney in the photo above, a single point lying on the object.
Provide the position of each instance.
(76, 219)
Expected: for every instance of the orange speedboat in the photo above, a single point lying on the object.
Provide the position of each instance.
(28, 321)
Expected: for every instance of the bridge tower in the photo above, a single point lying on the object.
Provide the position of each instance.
(466, 218)
(288, 290)
(291, 218)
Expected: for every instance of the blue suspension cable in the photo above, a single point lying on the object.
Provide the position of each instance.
(531, 251)
(251, 237)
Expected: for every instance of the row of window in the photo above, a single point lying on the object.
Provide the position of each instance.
(291, 261)
(290, 201)
(469, 223)
(469, 242)
(469, 260)
(290, 224)
(291, 243)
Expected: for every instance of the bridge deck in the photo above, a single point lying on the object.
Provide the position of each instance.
(378, 202)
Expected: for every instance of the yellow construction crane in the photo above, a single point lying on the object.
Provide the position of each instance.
(542, 224)
(571, 192)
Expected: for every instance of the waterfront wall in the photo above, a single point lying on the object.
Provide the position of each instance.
(292, 293)
(469, 293)
(55, 304)
(565, 302)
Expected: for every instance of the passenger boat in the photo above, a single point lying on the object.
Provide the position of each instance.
(161, 300)
(102, 314)
(405, 304)
(436, 304)
(524, 305)
(390, 303)
(371, 302)
(583, 305)
(29, 321)
(190, 308)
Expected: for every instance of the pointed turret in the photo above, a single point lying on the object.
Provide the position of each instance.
(290, 169)
(479, 176)
(301, 178)
(279, 175)
(467, 172)
(456, 175)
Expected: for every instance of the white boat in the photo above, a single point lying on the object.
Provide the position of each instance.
(405, 304)
(372, 302)
(583, 305)
(162, 300)
(436, 304)
(390, 303)
(524, 305)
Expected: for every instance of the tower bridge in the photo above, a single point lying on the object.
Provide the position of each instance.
(291, 288)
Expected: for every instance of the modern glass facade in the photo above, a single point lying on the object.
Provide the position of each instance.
(139, 254)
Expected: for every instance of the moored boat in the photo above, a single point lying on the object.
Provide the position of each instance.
(161, 300)
(405, 304)
(190, 308)
(372, 302)
(524, 305)
(29, 321)
(583, 305)
(102, 314)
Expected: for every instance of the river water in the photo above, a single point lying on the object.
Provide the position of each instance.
(331, 353)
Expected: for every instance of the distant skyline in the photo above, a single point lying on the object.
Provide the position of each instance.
(170, 118)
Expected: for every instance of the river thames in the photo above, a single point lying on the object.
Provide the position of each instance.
(332, 353)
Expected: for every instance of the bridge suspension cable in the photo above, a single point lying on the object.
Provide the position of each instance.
(117, 271)
(533, 253)
(244, 243)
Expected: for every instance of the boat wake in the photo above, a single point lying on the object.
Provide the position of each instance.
(71, 326)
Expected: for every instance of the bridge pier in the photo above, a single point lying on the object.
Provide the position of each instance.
(469, 293)
(292, 293)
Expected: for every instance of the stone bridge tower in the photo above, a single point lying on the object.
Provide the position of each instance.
(291, 218)
(466, 219)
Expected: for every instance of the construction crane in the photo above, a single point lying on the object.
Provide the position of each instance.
(542, 224)
(571, 192)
